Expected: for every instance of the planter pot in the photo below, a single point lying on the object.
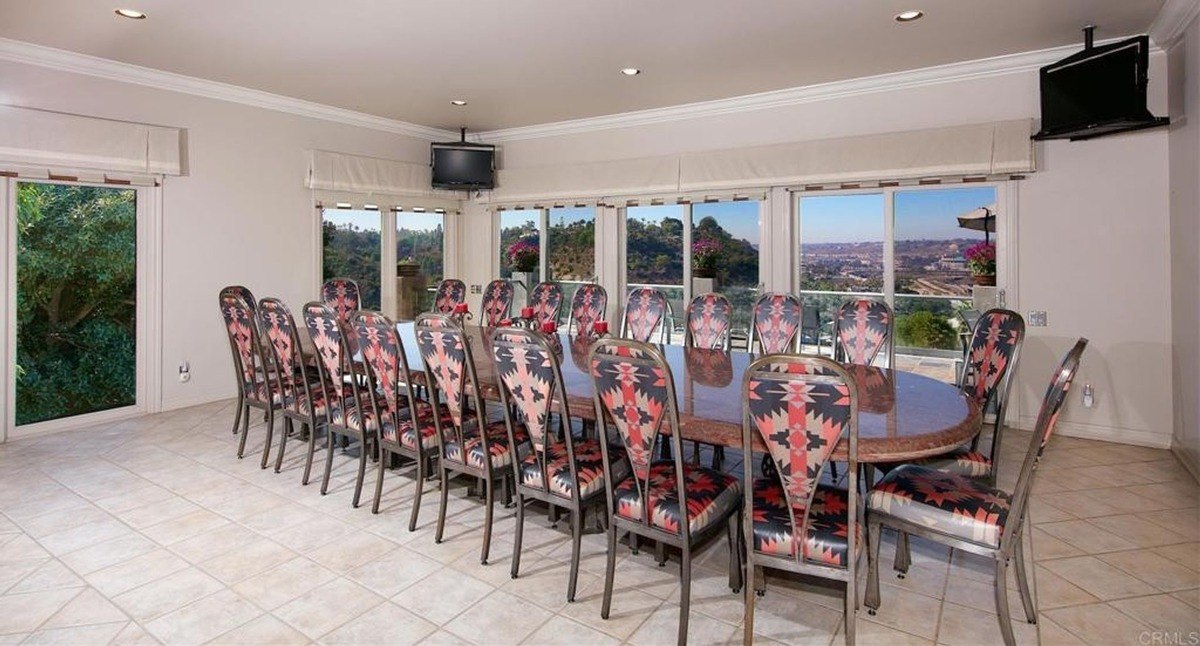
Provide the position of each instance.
(408, 269)
(703, 285)
(985, 280)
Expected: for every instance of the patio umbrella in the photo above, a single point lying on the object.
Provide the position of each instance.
(980, 219)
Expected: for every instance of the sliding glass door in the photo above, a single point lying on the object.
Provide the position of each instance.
(351, 246)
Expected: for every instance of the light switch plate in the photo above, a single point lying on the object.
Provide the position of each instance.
(476, 289)
(1037, 318)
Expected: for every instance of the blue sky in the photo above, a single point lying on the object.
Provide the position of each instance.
(920, 215)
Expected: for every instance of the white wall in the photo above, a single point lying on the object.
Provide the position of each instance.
(1093, 230)
(240, 215)
(1184, 144)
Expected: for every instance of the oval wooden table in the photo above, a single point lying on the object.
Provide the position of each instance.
(902, 416)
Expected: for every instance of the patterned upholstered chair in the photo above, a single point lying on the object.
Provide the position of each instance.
(497, 302)
(450, 292)
(343, 296)
(546, 300)
(645, 312)
(407, 428)
(668, 501)
(588, 305)
(965, 514)
(255, 387)
(345, 415)
(469, 443)
(987, 375)
(303, 397)
(566, 473)
(776, 324)
(707, 322)
(861, 328)
(245, 294)
(802, 408)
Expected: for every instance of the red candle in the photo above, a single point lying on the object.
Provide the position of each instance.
(461, 308)
(549, 327)
(505, 322)
(526, 312)
(601, 327)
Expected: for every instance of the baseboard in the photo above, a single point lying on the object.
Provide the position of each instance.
(1104, 433)
(1188, 460)
(195, 399)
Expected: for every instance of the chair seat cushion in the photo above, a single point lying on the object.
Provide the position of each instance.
(497, 439)
(424, 427)
(589, 465)
(961, 461)
(826, 540)
(711, 497)
(300, 403)
(947, 503)
(348, 417)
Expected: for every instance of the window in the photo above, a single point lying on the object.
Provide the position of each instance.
(520, 240)
(654, 252)
(734, 228)
(571, 248)
(351, 247)
(420, 238)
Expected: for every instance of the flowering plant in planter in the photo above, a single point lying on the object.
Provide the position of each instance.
(705, 254)
(523, 254)
(981, 260)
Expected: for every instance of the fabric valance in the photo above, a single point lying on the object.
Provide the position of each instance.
(49, 140)
(374, 177)
(584, 183)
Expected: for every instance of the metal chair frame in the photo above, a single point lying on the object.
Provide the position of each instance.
(662, 323)
(997, 396)
(573, 324)
(255, 376)
(290, 360)
(793, 342)
(556, 311)
(493, 318)
(727, 335)
(839, 350)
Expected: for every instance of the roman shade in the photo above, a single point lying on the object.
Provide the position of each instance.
(585, 183)
(357, 179)
(42, 140)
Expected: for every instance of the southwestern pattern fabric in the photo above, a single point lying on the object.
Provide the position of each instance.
(242, 335)
(863, 328)
(708, 319)
(589, 466)
(961, 461)
(546, 300)
(632, 388)
(944, 502)
(712, 368)
(776, 322)
(588, 306)
(276, 323)
(711, 495)
(498, 449)
(444, 353)
(528, 372)
(998, 336)
(497, 301)
(424, 426)
(644, 312)
(827, 538)
(450, 292)
(342, 296)
(244, 294)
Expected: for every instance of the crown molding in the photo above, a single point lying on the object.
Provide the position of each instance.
(952, 72)
(1172, 20)
(31, 54)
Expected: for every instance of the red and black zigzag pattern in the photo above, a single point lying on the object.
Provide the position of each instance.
(644, 312)
(445, 356)
(239, 326)
(710, 495)
(497, 301)
(546, 299)
(776, 321)
(342, 296)
(826, 539)
(632, 387)
(450, 292)
(527, 372)
(588, 306)
(863, 326)
(708, 320)
(998, 335)
(945, 502)
(589, 466)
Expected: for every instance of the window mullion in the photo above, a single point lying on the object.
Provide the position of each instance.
(889, 247)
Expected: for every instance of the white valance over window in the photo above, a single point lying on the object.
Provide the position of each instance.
(338, 177)
(41, 139)
(587, 182)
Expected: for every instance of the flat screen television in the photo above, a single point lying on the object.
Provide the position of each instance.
(1098, 91)
(462, 166)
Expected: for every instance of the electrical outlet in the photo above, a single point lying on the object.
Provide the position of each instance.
(1089, 396)
(185, 372)
(1037, 318)
(476, 289)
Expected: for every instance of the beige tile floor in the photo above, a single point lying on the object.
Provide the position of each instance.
(151, 531)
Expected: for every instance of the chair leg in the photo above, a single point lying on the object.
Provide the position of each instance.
(245, 431)
(634, 539)
(871, 599)
(609, 569)
(516, 561)
(660, 553)
(851, 609)
(237, 411)
(1023, 583)
(382, 462)
(266, 456)
(328, 460)
(441, 521)
(576, 544)
(749, 596)
(420, 485)
(1002, 613)
(287, 430)
(903, 558)
(312, 448)
(489, 503)
(685, 595)
(362, 471)
(760, 581)
(735, 551)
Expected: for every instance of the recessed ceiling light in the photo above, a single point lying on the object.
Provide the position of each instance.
(909, 16)
(131, 13)
(631, 71)
(458, 102)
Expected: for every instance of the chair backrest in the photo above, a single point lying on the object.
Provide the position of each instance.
(588, 305)
(497, 302)
(342, 296)
(450, 372)
(861, 328)
(635, 392)
(992, 356)
(248, 362)
(391, 395)
(546, 300)
(802, 407)
(244, 294)
(330, 339)
(291, 374)
(776, 325)
(450, 292)
(530, 376)
(645, 310)
(1052, 402)
(708, 320)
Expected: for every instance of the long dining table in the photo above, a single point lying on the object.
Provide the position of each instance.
(902, 415)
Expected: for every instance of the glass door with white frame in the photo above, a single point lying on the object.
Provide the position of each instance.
(351, 247)
(571, 248)
(420, 238)
(654, 255)
(729, 233)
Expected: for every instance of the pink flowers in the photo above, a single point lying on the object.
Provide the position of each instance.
(523, 254)
(981, 259)
(705, 252)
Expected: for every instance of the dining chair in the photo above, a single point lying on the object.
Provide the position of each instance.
(707, 322)
(645, 311)
(966, 514)
(497, 302)
(345, 415)
(343, 296)
(776, 323)
(303, 398)
(861, 328)
(450, 292)
(588, 305)
(407, 428)
(561, 471)
(468, 442)
(255, 388)
(677, 504)
(245, 294)
(546, 299)
(802, 408)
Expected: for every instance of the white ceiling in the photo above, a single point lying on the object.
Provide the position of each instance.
(523, 62)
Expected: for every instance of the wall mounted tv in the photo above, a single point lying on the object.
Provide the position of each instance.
(1099, 91)
(462, 166)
